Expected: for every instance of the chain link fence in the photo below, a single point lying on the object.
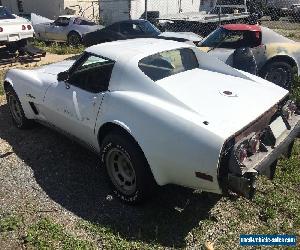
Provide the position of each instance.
(203, 16)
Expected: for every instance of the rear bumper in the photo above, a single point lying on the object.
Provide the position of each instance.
(13, 37)
(280, 149)
(245, 184)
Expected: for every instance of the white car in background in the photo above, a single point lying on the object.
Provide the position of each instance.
(66, 28)
(14, 30)
(161, 112)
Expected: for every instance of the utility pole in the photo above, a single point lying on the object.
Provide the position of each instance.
(146, 9)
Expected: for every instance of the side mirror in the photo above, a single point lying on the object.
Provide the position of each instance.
(63, 76)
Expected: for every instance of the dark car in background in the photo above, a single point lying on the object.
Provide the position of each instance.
(130, 29)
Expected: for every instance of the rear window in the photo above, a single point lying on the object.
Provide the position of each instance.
(167, 63)
(5, 13)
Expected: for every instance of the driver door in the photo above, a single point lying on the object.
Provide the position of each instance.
(73, 105)
(58, 30)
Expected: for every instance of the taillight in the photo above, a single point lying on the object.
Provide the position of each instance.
(1, 29)
(29, 27)
(23, 27)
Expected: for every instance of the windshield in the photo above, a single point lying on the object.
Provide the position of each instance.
(215, 38)
(5, 13)
(147, 27)
(167, 63)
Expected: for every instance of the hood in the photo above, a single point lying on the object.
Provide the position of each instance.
(185, 35)
(55, 68)
(228, 103)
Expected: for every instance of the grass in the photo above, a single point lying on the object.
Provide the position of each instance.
(45, 234)
(9, 223)
(58, 48)
(2, 73)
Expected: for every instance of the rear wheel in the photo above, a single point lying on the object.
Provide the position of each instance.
(280, 73)
(16, 110)
(128, 171)
(74, 39)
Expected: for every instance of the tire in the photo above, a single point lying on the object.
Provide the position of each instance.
(127, 169)
(280, 73)
(16, 110)
(74, 39)
(12, 47)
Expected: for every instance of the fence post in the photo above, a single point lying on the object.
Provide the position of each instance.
(146, 9)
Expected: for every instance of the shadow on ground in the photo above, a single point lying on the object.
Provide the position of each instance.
(70, 176)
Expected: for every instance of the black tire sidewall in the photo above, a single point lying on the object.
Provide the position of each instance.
(74, 33)
(144, 178)
(24, 121)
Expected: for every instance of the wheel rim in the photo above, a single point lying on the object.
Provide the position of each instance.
(74, 40)
(121, 171)
(16, 109)
(279, 76)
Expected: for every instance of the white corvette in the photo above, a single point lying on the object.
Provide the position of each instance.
(13, 28)
(160, 112)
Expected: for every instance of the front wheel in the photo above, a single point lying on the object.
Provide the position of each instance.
(280, 73)
(127, 169)
(16, 110)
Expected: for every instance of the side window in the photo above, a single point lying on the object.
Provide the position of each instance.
(62, 21)
(82, 21)
(130, 29)
(93, 74)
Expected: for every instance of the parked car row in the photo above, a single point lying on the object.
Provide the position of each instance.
(76, 30)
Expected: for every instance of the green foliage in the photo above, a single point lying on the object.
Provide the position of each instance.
(9, 223)
(58, 48)
(48, 235)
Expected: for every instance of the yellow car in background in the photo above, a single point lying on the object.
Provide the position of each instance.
(256, 49)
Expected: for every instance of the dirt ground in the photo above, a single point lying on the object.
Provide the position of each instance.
(49, 58)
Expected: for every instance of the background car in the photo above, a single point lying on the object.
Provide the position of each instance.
(14, 30)
(275, 55)
(161, 112)
(67, 28)
(135, 29)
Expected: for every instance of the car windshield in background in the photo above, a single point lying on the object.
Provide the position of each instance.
(215, 38)
(5, 14)
(167, 63)
(83, 21)
(147, 27)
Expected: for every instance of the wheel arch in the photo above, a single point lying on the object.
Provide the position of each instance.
(108, 127)
(74, 31)
(7, 84)
(281, 58)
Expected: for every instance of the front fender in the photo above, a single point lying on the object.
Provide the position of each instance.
(291, 51)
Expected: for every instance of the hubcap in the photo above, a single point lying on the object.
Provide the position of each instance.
(15, 108)
(279, 76)
(121, 171)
